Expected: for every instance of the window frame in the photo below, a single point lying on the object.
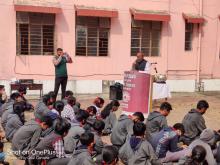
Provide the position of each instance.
(191, 32)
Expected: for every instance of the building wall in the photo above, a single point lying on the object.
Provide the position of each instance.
(173, 61)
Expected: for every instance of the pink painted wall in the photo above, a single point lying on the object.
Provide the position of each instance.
(174, 61)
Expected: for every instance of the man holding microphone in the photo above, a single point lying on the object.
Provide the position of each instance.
(61, 75)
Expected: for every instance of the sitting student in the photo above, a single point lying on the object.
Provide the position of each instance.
(82, 154)
(165, 142)
(194, 123)
(28, 136)
(156, 120)
(124, 127)
(109, 155)
(54, 143)
(42, 108)
(15, 120)
(206, 140)
(3, 96)
(91, 119)
(98, 127)
(68, 111)
(9, 109)
(58, 107)
(67, 95)
(22, 90)
(196, 158)
(137, 150)
(2, 154)
(109, 117)
(72, 139)
(98, 104)
(92, 111)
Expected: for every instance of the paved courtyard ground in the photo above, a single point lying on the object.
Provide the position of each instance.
(181, 102)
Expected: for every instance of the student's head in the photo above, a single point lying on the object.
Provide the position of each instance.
(58, 105)
(16, 97)
(82, 116)
(179, 129)
(52, 96)
(46, 122)
(71, 100)
(1, 146)
(98, 126)
(62, 126)
(22, 90)
(165, 108)
(139, 129)
(46, 99)
(202, 106)
(19, 108)
(91, 110)
(115, 105)
(112, 106)
(99, 102)
(59, 51)
(140, 56)
(138, 117)
(198, 154)
(87, 139)
(68, 93)
(110, 155)
(2, 89)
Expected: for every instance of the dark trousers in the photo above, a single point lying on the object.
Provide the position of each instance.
(60, 81)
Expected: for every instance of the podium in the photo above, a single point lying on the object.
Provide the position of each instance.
(137, 93)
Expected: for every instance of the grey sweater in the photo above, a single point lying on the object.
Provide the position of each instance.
(122, 128)
(5, 115)
(41, 110)
(109, 122)
(13, 124)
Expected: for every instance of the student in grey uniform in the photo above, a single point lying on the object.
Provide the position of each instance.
(194, 123)
(110, 155)
(53, 143)
(109, 117)
(58, 107)
(15, 120)
(27, 137)
(156, 120)
(124, 127)
(137, 150)
(68, 93)
(72, 139)
(98, 104)
(82, 154)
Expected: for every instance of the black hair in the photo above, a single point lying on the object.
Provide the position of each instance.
(52, 94)
(71, 100)
(139, 115)
(86, 138)
(202, 104)
(139, 129)
(166, 106)
(82, 115)
(22, 88)
(15, 95)
(198, 156)
(68, 93)
(98, 101)
(1, 145)
(109, 154)
(61, 126)
(58, 105)
(98, 125)
(45, 99)
(47, 120)
(18, 109)
(59, 49)
(92, 109)
(106, 111)
(179, 126)
(1, 87)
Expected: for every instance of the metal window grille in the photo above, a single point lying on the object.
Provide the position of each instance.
(145, 37)
(188, 36)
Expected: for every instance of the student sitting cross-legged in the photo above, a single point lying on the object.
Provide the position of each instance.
(53, 144)
(82, 154)
(137, 150)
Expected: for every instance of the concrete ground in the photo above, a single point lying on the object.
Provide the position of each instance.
(181, 102)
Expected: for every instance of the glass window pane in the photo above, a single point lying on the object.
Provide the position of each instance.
(48, 39)
(135, 42)
(155, 51)
(134, 51)
(146, 51)
(92, 51)
(135, 33)
(155, 43)
(156, 25)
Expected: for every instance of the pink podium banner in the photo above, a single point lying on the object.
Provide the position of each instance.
(136, 93)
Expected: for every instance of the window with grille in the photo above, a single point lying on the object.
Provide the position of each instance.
(188, 36)
(35, 33)
(92, 36)
(145, 37)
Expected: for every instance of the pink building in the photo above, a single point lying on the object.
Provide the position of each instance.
(182, 36)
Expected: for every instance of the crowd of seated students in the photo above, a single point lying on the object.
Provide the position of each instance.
(62, 133)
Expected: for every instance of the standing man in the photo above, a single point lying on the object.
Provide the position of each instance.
(141, 64)
(61, 78)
